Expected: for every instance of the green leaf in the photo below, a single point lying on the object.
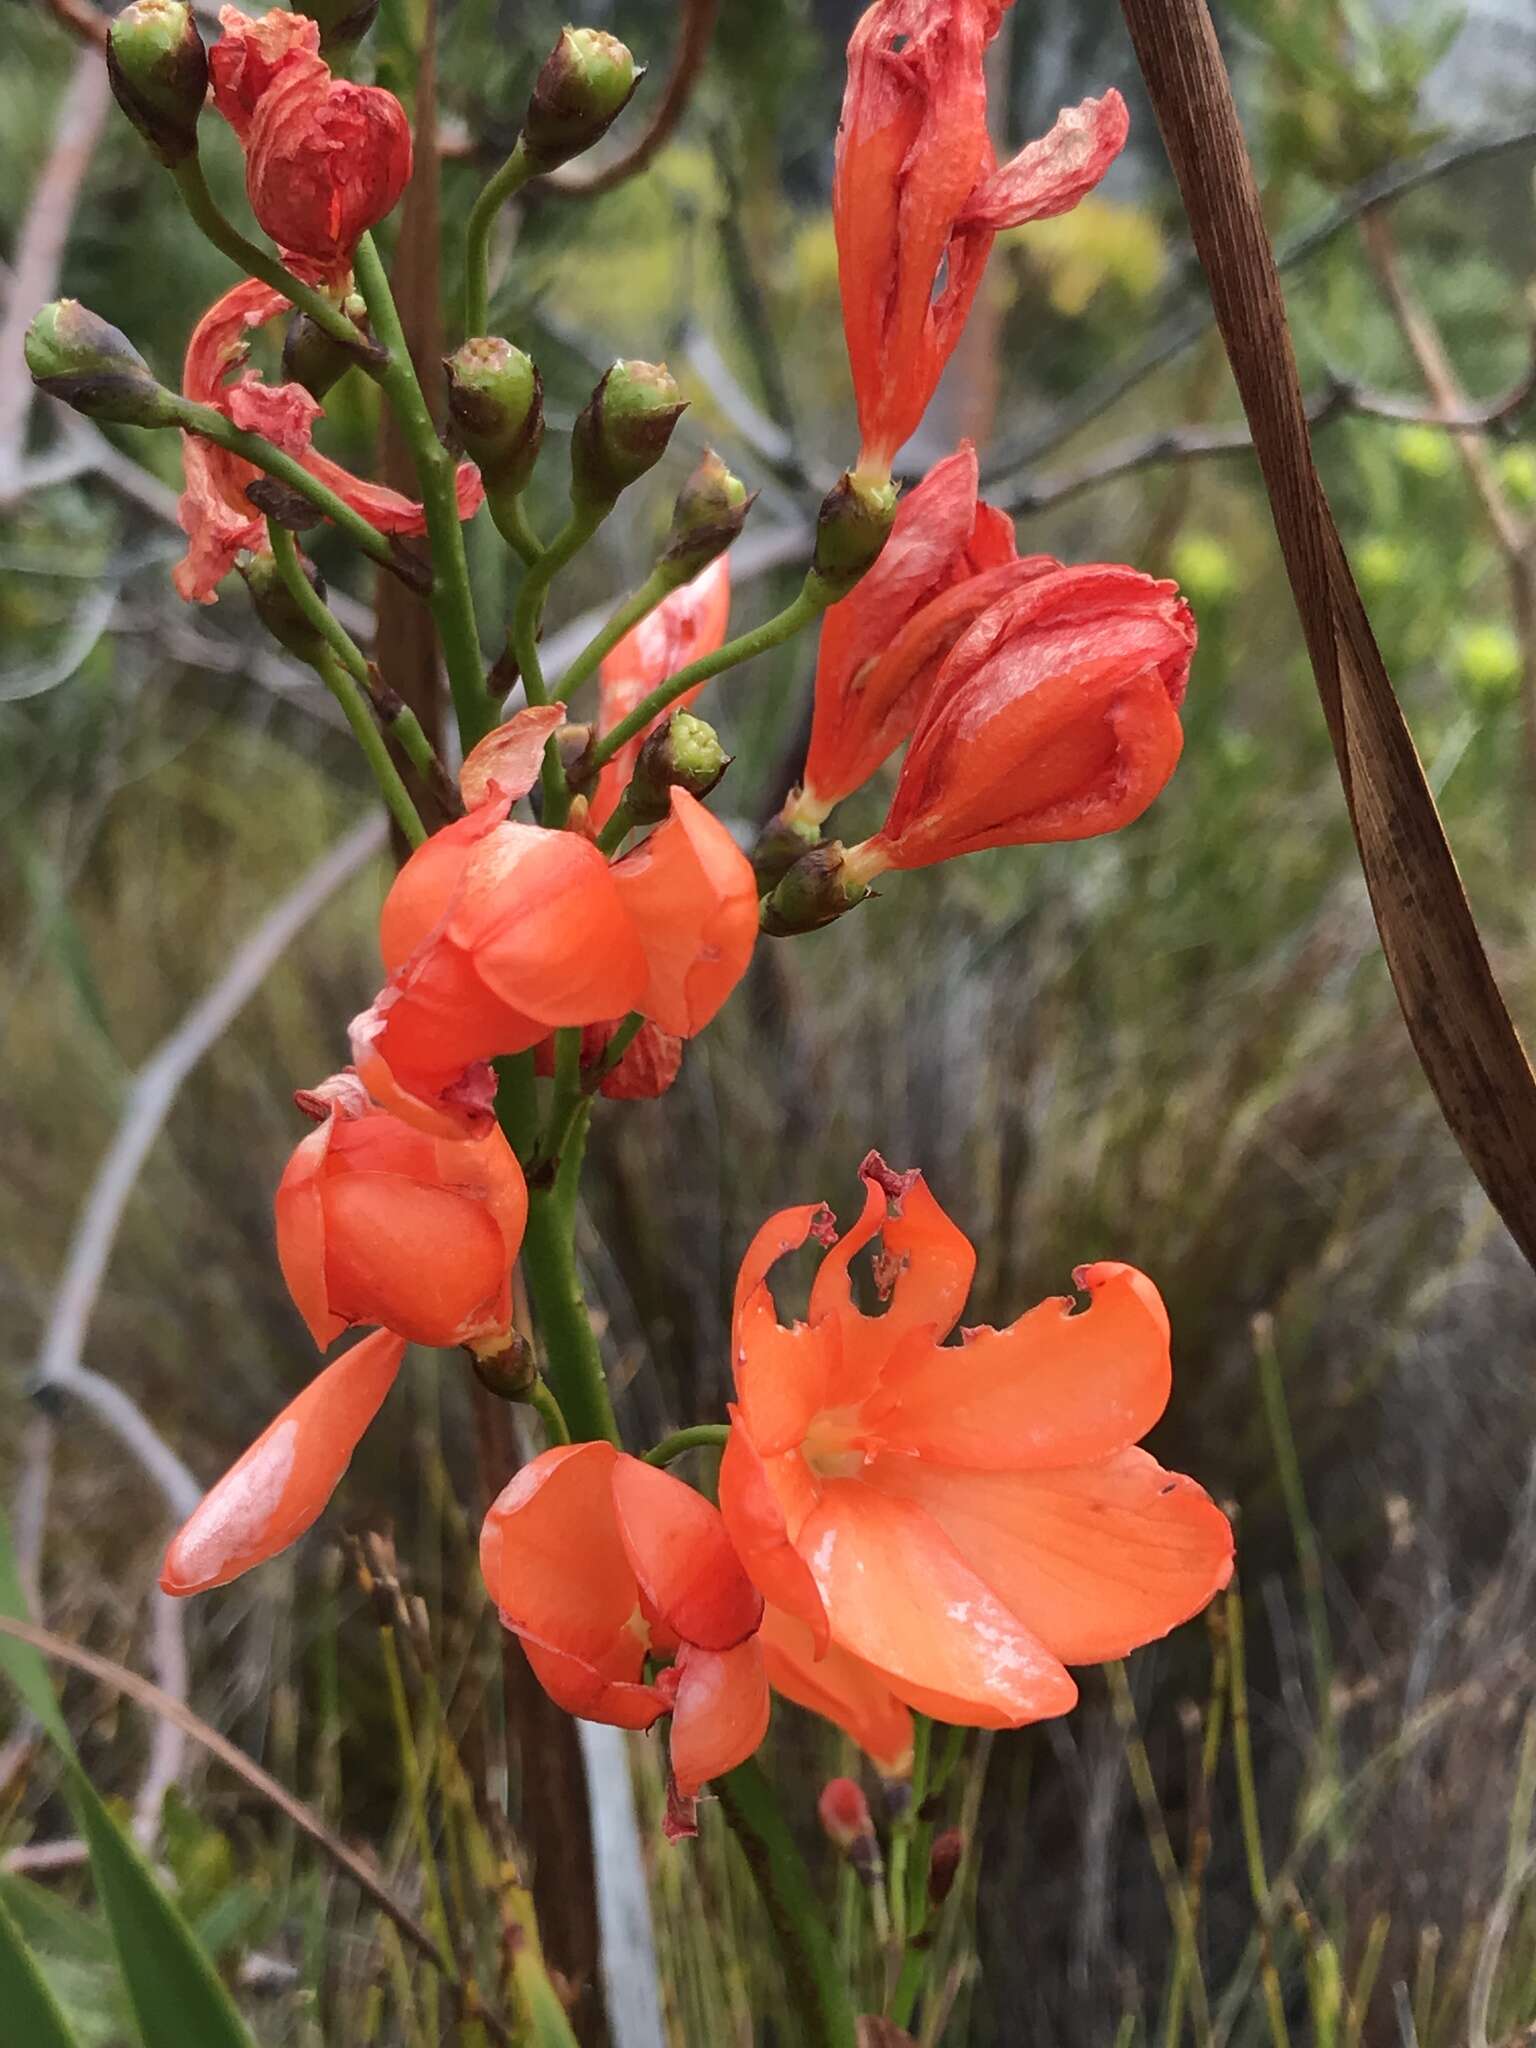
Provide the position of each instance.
(177, 1995)
(28, 2004)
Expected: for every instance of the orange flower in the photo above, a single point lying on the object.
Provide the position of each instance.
(1055, 716)
(379, 1223)
(496, 933)
(686, 625)
(215, 514)
(270, 1496)
(965, 1521)
(947, 559)
(325, 160)
(918, 197)
(596, 1561)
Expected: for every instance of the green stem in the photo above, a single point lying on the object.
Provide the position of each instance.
(266, 455)
(673, 1446)
(509, 515)
(528, 606)
(795, 617)
(658, 585)
(371, 740)
(621, 823)
(798, 1919)
(399, 720)
(514, 173)
(436, 477)
(262, 264)
(1252, 1827)
(548, 1409)
(574, 1361)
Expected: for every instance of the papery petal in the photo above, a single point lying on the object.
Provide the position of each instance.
(691, 898)
(1055, 1388)
(899, 1595)
(555, 1566)
(1094, 1559)
(284, 413)
(720, 1715)
(425, 1261)
(247, 56)
(839, 1687)
(764, 1502)
(506, 763)
(271, 1495)
(682, 1557)
(1051, 175)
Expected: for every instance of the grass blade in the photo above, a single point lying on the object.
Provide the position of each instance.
(25, 1999)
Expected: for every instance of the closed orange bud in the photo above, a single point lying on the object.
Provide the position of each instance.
(325, 160)
(918, 197)
(1054, 717)
(844, 1812)
(379, 1223)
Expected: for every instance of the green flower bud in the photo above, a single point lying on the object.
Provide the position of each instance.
(496, 399)
(814, 892)
(275, 607)
(158, 69)
(711, 510)
(682, 753)
(343, 23)
(587, 81)
(507, 1368)
(783, 841)
(622, 431)
(75, 355)
(311, 357)
(852, 527)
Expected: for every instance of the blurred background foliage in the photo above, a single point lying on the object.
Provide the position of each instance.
(1177, 1047)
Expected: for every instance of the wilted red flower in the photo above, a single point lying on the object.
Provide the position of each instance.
(495, 933)
(685, 626)
(324, 159)
(918, 197)
(966, 1521)
(596, 1561)
(271, 1495)
(218, 519)
(379, 1223)
(1055, 716)
(947, 559)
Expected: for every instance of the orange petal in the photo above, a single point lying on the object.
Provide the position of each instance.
(1095, 1559)
(554, 1565)
(300, 1218)
(899, 1595)
(270, 1496)
(424, 1261)
(425, 889)
(839, 1687)
(506, 763)
(692, 898)
(760, 1499)
(721, 1714)
(547, 928)
(1055, 1388)
(682, 1556)
(582, 1689)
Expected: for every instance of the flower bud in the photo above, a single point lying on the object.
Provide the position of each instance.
(782, 841)
(275, 606)
(682, 753)
(711, 510)
(852, 527)
(508, 1370)
(496, 399)
(944, 1860)
(158, 70)
(623, 431)
(816, 891)
(312, 357)
(846, 1820)
(343, 23)
(75, 355)
(587, 81)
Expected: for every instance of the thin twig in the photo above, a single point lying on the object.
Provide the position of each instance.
(695, 33)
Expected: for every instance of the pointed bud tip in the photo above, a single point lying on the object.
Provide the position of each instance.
(814, 892)
(158, 70)
(710, 512)
(852, 526)
(75, 355)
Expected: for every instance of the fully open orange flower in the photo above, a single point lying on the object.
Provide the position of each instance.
(379, 1223)
(686, 625)
(495, 933)
(1055, 716)
(918, 197)
(947, 559)
(325, 159)
(964, 1521)
(218, 519)
(271, 1495)
(595, 1561)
